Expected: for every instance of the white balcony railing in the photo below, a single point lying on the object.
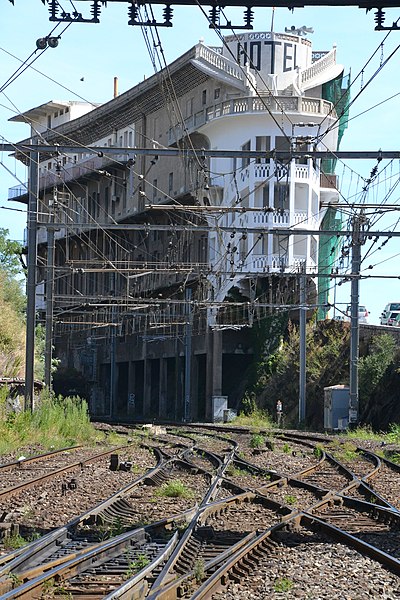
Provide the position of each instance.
(252, 105)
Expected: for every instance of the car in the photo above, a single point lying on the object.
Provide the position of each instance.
(390, 308)
(392, 318)
(363, 314)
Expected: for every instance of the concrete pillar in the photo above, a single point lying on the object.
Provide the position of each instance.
(214, 368)
(162, 407)
(147, 387)
(131, 390)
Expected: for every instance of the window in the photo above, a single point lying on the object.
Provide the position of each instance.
(189, 107)
(281, 196)
(67, 109)
(170, 183)
(263, 144)
(61, 112)
(55, 115)
(245, 159)
(204, 97)
(48, 121)
(49, 166)
(217, 93)
(282, 144)
(265, 193)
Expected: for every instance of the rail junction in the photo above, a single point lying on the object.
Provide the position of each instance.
(249, 513)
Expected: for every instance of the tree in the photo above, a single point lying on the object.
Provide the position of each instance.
(12, 308)
(10, 253)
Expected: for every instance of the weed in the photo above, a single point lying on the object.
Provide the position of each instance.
(318, 451)
(140, 562)
(364, 432)
(174, 489)
(198, 570)
(257, 440)
(28, 511)
(290, 499)
(286, 448)
(107, 532)
(393, 436)
(15, 580)
(255, 417)
(14, 541)
(232, 471)
(283, 585)
(347, 452)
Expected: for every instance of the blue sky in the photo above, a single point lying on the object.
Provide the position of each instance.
(98, 53)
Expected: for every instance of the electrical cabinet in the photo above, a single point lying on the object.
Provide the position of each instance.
(336, 407)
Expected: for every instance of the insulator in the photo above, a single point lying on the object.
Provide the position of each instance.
(95, 10)
(379, 17)
(214, 15)
(133, 14)
(167, 13)
(53, 9)
(249, 17)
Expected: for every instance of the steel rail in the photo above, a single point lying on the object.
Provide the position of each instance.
(26, 460)
(16, 489)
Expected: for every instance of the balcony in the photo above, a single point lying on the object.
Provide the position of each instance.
(251, 105)
(280, 218)
(275, 263)
(17, 190)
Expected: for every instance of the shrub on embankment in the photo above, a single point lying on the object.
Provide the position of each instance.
(55, 422)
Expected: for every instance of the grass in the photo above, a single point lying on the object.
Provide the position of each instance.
(257, 440)
(56, 422)
(140, 562)
(14, 541)
(290, 499)
(318, 451)
(174, 489)
(232, 471)
(256, 418)
(283, 585)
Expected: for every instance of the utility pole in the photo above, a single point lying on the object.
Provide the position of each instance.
(188, 355)
(302, 326)
(360, 222)
(48, 352)
(33, 190)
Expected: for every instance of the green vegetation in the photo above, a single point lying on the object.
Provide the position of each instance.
(363, 432)
(14, 541)
(372, 367)
(174, 489)
(15, 580)
(232, 471)
(106, 531)
(286, 448)
(393, 437)
(344, 450)
(137, 564)
(198, 570)
(290, 499)
(318, 451)
(252, 416)
(257, 440)
(283, 585)
(12, 308)
(55, 422)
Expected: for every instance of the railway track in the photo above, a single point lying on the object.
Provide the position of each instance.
(238, 518)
